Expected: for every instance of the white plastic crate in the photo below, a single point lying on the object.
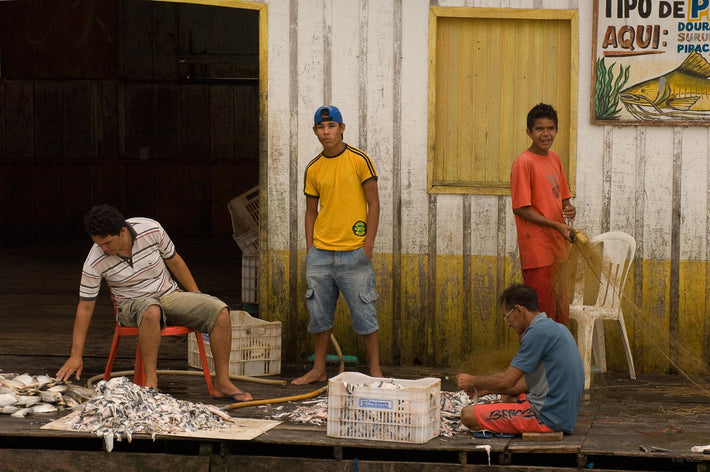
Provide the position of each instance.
(256, 347)
(359, 409)
(249, 242)
(244, 211)
(250, 278)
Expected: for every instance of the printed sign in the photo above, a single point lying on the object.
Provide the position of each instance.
(374, 404)
(651, 62)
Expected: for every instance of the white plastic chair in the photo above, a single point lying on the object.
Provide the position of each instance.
(617, 254)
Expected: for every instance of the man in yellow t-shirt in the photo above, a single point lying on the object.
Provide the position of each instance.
(340, 237)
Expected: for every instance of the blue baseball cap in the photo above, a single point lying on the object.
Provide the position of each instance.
(328, 113)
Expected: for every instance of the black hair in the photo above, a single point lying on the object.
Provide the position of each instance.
(104, 220)
(519, 294)
(541, 110)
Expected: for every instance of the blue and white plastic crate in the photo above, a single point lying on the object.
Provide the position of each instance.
(363, 407)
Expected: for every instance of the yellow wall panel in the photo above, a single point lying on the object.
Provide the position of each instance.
(437, 338)
(382, 263)
(691, 314)
(414, 336)
(274, 275)
(486, 316)
(651, 325)
(449, 285)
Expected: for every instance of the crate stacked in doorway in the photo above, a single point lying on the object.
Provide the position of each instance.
(256, 347)
(244, 211)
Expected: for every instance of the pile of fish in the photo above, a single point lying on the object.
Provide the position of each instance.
(24, 394)
(121, 408)
(451, 405)
(388, 384)
(313, 412)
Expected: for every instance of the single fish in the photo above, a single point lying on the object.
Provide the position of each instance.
(28, 400)
(683, 93)
(48, 396)
(70, 402)
(80, 393)
(43, 408)
(8, 409)
(25, 379)
(21, 413)
(12, 384)
(7, 399)
(43, 380)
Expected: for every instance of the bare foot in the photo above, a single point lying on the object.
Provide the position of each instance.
(312, 376)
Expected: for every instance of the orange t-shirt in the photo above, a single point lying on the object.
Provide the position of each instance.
(540, 183)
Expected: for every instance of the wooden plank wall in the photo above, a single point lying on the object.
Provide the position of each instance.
(441, 259)
(150, 106)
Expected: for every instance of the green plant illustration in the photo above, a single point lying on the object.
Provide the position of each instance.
(607, 90)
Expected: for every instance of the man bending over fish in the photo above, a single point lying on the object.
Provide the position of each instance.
(546, 375)
(136, 258)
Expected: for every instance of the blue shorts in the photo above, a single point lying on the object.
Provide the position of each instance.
(329, 273)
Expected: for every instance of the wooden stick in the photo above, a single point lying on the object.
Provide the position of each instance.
(554, 436)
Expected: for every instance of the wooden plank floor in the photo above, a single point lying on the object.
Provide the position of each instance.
(38, 295)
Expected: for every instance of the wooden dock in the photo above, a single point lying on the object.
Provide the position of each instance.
(647, 424)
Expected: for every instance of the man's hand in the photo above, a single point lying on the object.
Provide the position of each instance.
(73, 364)
(465, 383)
(367, 249)
(569, 212)
(566, 231)
(527, 213)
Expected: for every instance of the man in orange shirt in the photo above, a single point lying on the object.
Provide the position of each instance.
(540, 197)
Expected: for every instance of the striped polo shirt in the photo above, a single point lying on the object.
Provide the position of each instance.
(144, 274)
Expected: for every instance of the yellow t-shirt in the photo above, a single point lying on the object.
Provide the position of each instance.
(337, 181)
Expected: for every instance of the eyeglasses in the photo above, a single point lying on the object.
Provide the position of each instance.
(506, 315)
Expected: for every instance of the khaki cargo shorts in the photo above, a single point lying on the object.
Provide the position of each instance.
(192, 309)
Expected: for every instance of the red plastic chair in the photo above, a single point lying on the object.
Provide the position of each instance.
(138, 372)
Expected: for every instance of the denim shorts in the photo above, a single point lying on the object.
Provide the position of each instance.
(192, 309)
(347, 272)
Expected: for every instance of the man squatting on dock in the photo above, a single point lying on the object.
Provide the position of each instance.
(546, 375)
(136, 257)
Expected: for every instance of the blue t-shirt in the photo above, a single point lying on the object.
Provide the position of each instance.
(553, 372)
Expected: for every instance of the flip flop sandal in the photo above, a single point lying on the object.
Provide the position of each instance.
(490, 434)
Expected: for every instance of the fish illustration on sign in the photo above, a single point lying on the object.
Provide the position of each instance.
(683, 93)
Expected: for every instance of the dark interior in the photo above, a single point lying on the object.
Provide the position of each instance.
(152, 107)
